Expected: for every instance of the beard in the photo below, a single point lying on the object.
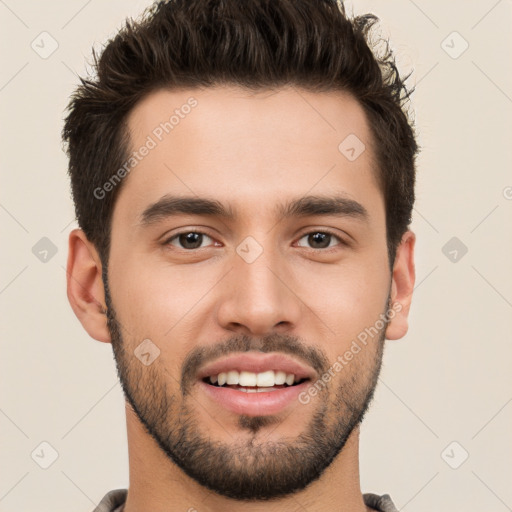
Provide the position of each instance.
(252, 468)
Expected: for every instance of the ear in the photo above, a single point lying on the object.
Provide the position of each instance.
(85, 286)
(402, 286)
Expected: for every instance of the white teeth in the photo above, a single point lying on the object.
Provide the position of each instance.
(264, 379)
(248, 379)
(244, 378)
(232, 377)
(257, 390)
(280, 378)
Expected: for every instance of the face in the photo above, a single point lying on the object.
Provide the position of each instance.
(275, 263)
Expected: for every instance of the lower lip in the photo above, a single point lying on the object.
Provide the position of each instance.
(254, 404)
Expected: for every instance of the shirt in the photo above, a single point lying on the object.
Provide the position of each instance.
(114, 500)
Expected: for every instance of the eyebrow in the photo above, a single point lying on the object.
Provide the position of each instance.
(169, 206)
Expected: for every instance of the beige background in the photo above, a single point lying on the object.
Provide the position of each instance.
(448, 380)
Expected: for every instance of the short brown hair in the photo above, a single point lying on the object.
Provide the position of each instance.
(254, 44)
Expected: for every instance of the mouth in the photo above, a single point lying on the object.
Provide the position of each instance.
(254, 384)
(251, 382)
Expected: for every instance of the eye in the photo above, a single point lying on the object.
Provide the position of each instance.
(191, 240)
(320, 239)
(188, 240)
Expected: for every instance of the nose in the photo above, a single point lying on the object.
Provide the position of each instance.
(259, 296)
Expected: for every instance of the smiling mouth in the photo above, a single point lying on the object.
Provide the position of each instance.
(249, 382)
(267, 392)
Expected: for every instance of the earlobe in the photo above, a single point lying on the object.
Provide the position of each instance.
(85, 289)
(402, 287)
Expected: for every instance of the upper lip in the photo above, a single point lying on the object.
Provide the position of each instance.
(257, 363)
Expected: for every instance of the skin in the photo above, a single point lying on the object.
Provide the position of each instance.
(249, 151)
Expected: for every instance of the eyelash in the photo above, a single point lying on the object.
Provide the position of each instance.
(323, 231)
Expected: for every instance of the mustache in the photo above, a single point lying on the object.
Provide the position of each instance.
(273, 342)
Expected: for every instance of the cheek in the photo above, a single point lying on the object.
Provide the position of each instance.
(346, 298)
(153, 299)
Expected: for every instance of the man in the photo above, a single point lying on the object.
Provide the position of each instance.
(243, 175)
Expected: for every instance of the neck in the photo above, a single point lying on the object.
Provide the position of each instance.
(157, 484)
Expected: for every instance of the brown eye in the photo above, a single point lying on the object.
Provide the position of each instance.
(188, 240)
(320, 239)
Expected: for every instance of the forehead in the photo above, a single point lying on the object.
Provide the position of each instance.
(248, 147)
(231, 114)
